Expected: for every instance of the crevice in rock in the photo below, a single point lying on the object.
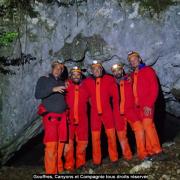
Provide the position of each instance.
(6, 62)
(68, 3)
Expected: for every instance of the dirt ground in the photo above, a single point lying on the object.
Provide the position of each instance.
(29, 160)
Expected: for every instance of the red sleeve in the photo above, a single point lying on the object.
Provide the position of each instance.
(154, 87)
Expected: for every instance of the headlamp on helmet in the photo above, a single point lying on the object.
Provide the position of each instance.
(76, 69)
(133, 53)
(96, 63)
(117, 66)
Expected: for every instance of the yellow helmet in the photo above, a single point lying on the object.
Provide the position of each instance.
(96, 63)
(117, 66)
(75, 69)
(133, 53)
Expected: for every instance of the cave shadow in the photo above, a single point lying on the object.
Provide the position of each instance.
(30, 154)
(166, 124)
(160, 114)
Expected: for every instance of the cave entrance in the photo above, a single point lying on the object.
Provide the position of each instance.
(32, 153)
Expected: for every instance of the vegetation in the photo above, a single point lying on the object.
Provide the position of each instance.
(153, 6)
(7, 38)
(13, 14)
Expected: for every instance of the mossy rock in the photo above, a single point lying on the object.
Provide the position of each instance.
(152, 6)
(76, 50)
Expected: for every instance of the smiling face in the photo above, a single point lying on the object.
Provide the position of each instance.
(97, 71)
(134, 61)
(57, 70)
(76, 77)
(117, 73)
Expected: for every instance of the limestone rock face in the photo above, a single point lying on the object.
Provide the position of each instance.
(78, 33)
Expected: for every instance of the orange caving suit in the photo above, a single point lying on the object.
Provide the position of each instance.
(101, 90)
(129, 114)
(53, 111)
(145, 89)
(77, 98)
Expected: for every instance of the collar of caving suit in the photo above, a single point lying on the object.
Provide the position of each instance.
(141, 66)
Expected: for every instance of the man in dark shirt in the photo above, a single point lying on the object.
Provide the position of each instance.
(51, 91)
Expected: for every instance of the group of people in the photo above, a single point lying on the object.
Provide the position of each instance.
(115, 100)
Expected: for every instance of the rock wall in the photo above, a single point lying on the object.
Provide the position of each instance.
(78, 32)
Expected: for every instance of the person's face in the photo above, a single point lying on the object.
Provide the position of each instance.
(117, 73)
(76, 77)
(134, 61)
(97, 71)
(57, 70)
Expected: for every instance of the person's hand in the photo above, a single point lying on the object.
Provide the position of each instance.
(59, 89)
(147, 111)
(66, 84)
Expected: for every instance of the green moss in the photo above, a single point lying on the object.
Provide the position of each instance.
(7, 38)
(16, 11)
(152, 6)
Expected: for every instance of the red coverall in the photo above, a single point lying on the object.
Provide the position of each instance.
(145, 89)
(101, 90)
(55, 129)
(129, 114)
(76, 99)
